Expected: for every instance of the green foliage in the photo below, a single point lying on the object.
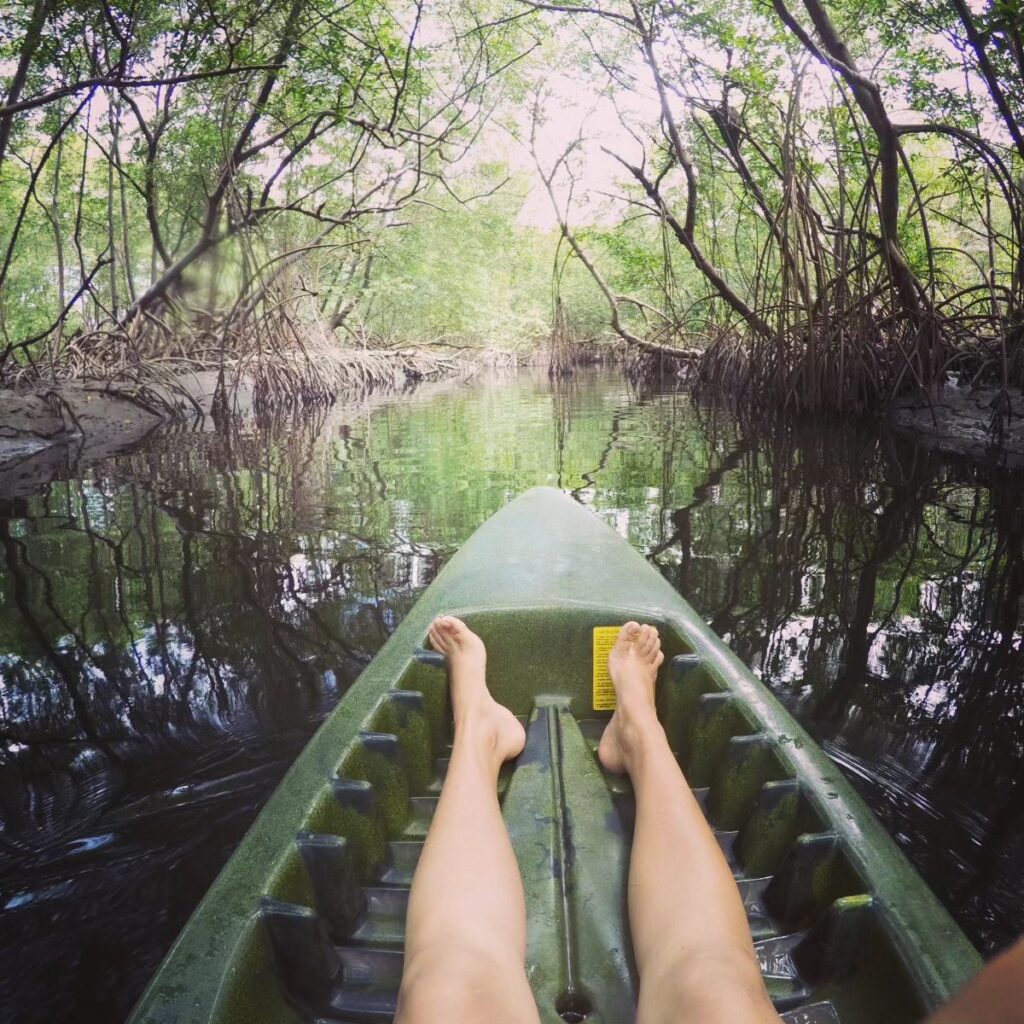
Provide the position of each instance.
(236, 151)
(175, 154)
(473, 274)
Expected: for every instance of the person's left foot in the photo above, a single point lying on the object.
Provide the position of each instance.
(476, 711)
(633, 665)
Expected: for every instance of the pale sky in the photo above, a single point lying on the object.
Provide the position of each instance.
(573, 103)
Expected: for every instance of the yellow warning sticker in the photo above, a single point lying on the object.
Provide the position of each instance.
(604, 692)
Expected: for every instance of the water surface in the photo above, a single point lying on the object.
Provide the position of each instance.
(175, 622)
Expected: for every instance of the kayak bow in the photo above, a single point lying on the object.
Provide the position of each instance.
(306, 920)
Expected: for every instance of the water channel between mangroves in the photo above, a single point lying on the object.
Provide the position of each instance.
(174, 623)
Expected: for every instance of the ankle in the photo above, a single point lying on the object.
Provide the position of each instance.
(640, 735)
(475, 722)
(483, 749)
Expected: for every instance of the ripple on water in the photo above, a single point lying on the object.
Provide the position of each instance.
(177, 620)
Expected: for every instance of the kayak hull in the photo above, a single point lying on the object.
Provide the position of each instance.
(305, 922)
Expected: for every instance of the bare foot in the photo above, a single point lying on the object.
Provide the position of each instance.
(633, 665)
(477, 713)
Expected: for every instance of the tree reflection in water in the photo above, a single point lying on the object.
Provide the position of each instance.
(175, 623)
(878, 589)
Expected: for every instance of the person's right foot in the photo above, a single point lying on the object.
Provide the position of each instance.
(633, 666)
(477, 713)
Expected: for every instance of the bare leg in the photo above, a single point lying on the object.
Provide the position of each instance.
(465, 939)
(690, 937)
(995, 996)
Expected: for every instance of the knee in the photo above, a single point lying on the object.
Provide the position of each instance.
(713, 985)
(454, 985)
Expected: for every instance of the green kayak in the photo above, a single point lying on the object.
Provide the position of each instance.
(306, 921)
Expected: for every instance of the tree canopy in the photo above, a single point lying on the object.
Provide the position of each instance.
(823, 198)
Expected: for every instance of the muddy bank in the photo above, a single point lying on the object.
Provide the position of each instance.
(49, 431)
(48, 434)
(55, 435)
(963, 421)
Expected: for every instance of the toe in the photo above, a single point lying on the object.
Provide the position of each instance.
(434, 636)
(441, 632)
(643, 640)
(628, 633)
(458, 631)
(650, 642)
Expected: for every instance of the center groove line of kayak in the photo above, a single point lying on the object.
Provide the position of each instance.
(566, 849)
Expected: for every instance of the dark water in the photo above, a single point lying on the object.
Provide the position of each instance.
(175, 622)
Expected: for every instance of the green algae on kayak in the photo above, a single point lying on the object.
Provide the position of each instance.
(306, 920)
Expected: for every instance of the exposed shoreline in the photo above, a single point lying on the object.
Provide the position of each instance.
(50, 433)
(957, 421)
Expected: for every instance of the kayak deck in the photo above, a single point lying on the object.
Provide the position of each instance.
(306, 922)
(571, 823)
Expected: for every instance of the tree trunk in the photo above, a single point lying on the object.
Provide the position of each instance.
(29, 45)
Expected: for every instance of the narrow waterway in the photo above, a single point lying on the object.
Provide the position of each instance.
(175, 622)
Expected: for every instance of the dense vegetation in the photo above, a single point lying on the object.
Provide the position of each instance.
(181, 179)
(825, 199)
(838, 186)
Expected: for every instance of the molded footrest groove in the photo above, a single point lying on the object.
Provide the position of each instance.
(441, 773)
(726, 841)
(360, 823)
(835, 945)
(813, 874)
(717, 718)
(403, 713)
(431, 658)
(779, 970)
(684, 681)
(758, 918)
(683, 663)
(400, 862)
(336, 892)
(748, 762)
(771, 828)
(378, 759)
(307, 964)
(368, 992)
(421, 813)
(812, 1013)
(362, 1008)
(384, 920)
(592, 730)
